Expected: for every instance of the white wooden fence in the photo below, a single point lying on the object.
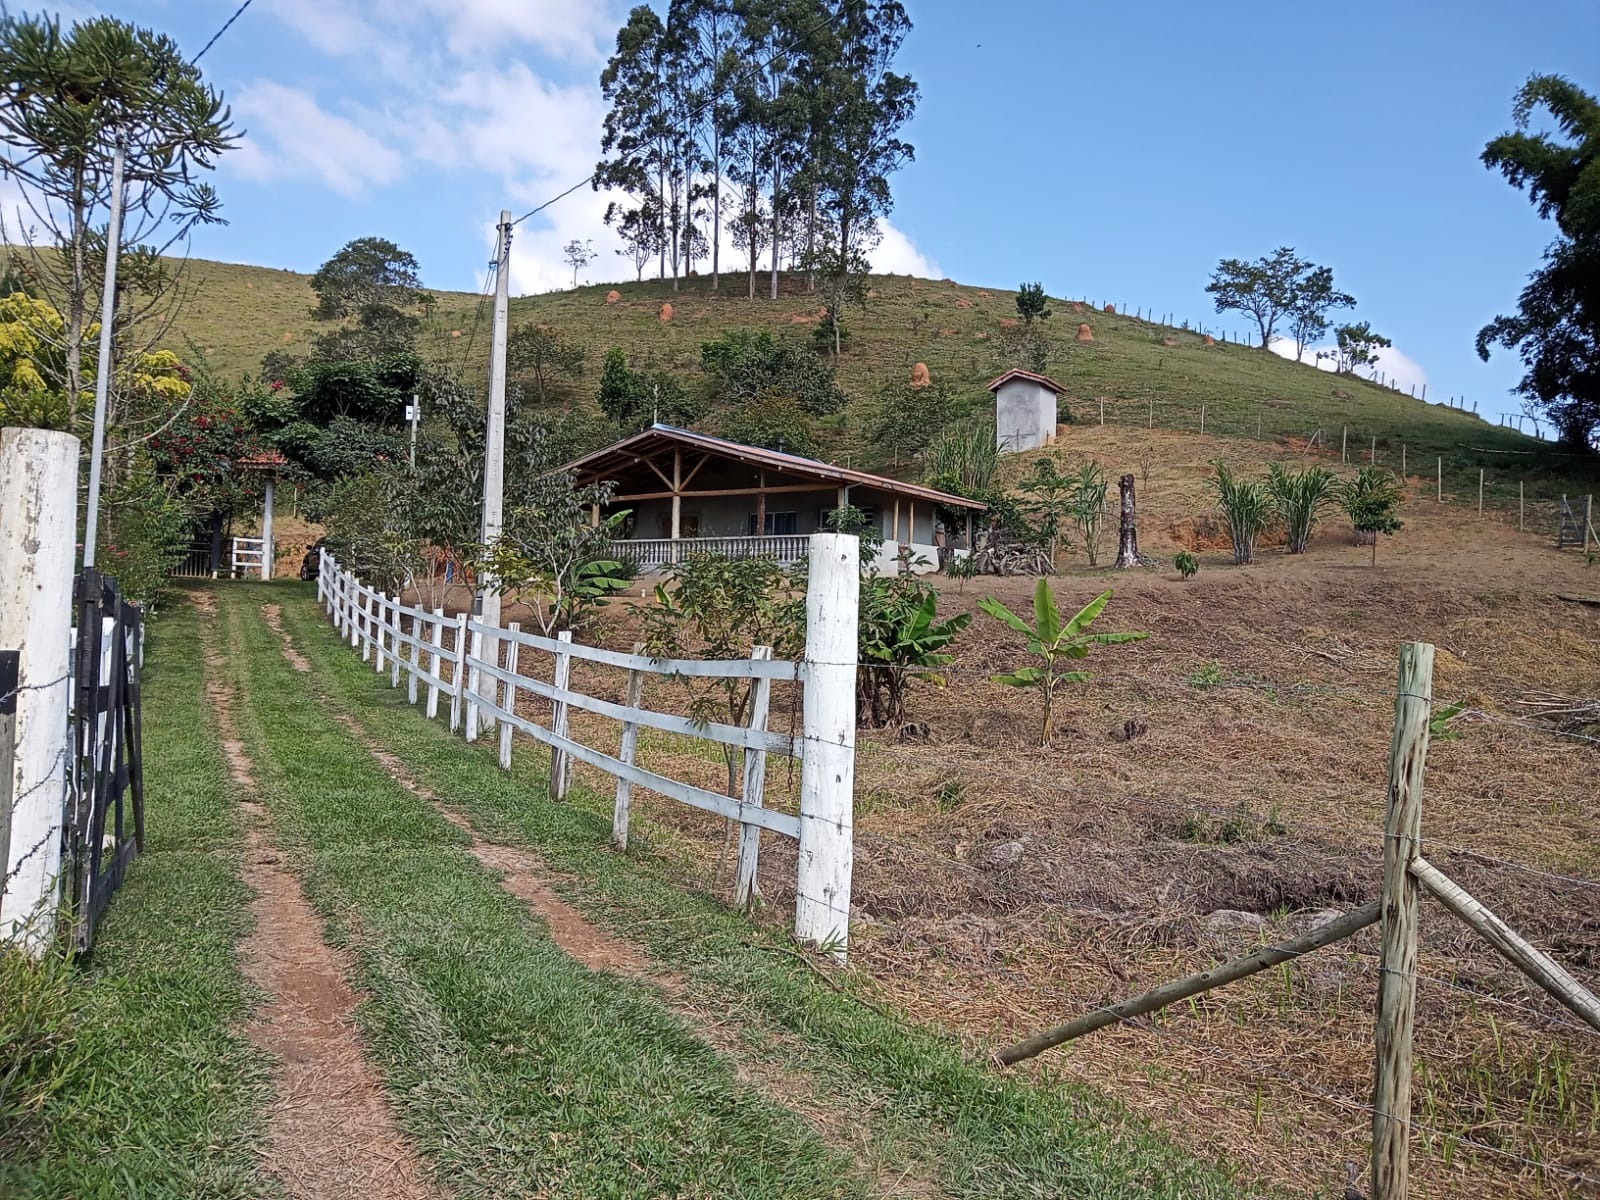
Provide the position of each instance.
(483, 684)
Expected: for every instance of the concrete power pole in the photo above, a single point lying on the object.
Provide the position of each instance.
(494, 467)
(102, 380)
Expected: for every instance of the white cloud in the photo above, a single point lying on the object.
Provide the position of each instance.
(568, 28)
(291, 135)
(895, 255)
(1398, 369)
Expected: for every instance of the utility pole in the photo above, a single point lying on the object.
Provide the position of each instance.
(413, 415)
(102, 378)
(488, 605)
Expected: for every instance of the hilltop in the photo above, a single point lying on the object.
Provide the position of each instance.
(1136, 372)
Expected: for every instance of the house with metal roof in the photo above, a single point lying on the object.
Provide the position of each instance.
(685, 492)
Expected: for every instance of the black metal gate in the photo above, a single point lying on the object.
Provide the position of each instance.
(105, 817)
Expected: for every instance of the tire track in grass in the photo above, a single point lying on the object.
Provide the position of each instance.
(330, 1132)
(525, 877)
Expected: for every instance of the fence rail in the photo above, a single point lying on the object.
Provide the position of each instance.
(487, 674)
(660, 552)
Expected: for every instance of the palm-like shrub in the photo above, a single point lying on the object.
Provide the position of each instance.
(1246, 505)
(1300, 496)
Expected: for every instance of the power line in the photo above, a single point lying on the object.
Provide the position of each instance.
(237, 13)
(695, 113)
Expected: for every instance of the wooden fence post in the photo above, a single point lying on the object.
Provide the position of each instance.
(560, 765)
(1344, 445)
(475, 650)
(1202, 416)
(510, 696)
(396, 646)
(1402, 461)
(1522, 509)
(1397, 978)
(38, 543)
(458, 674)
(415, 659)
(827, 768)
(1374, 458)
(630, 749)
(1439, 466)
(364, 634)
(1480, 491)
(1102, 410)
(1588, 521)
(1150, 421)
(435, 665)
(753, 793)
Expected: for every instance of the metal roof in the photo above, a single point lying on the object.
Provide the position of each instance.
(1019, 373)
(631, 450)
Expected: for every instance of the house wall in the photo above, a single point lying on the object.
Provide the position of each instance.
(1024, 415)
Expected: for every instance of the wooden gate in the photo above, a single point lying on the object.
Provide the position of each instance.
(105, 802)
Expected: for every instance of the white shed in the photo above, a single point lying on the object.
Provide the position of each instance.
(1024, 410)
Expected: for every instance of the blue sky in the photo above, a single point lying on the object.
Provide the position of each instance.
(1109, 150)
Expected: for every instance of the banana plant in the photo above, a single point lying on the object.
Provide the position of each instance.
(1055, 643)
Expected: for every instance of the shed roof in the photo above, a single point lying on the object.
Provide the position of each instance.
(1019, 373)
(631, 451)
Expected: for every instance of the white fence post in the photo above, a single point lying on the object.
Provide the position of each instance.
(472, 676)
(397, 648)
(380, 621)
(458, 674)
(753, 794)
(560, 764)
(827, 768)
(510, 695)
(435, 664)
(415, 660)
(364, 631)
(634, 698)
(38, 536)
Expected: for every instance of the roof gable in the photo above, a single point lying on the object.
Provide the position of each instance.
(1030, 376)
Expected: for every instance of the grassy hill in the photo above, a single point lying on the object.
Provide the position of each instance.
(1136, 372)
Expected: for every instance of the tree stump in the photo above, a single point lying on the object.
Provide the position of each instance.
(1128, 540)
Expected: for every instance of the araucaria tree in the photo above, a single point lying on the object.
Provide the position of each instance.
(1031, 303)
(1279, 288)
(1556, 329)
(67, 99)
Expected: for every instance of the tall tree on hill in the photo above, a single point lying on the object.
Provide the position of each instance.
(371, 287)
(1556, 329)
(635, 139)
(1263, 290)
(1313, 298)
(66, 99)
(713, 38)
(774, 32)
(869, 103)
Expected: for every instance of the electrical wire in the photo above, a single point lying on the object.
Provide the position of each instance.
(226, 25)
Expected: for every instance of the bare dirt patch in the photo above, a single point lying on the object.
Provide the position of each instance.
(274, 615)
(330, 1131)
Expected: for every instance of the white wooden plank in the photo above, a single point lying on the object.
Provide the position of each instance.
(560, 764)
(509, 683)
(709, 731)
(738, 668)
(714, 802)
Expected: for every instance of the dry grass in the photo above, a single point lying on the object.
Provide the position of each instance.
(1234, 763)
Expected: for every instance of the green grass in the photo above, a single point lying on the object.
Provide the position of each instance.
(945, 1116)
(239, 313)
(166, 1098)
(516, 1070)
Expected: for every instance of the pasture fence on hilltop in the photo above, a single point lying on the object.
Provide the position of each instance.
(491, 668)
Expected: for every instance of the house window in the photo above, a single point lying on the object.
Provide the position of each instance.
(778, 524)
